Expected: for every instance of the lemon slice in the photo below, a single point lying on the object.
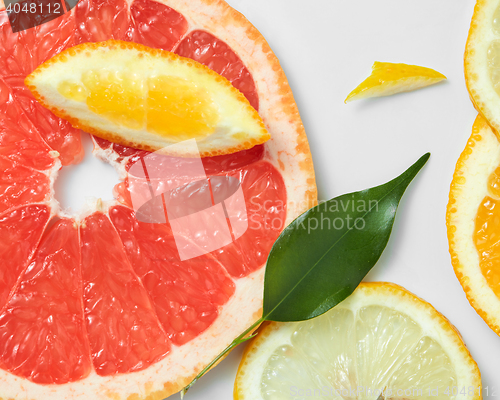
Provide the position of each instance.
(389, 78)
(482, 61)
(146, 98)
(381, 341)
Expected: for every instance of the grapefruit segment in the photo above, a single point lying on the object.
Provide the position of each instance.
(51, 38)
(99, 20)
(56, 132)
(19, 139)
(186, 294)
(20, 232)
(42, 334)
(205, 48)
(20, 185)
(123, 330)
(22, 52)
(264, 192)
(156, 24)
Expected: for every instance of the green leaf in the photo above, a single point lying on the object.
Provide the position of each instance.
(313, 267)
(321, 257)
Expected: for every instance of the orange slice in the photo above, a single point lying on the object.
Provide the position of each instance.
(472, 219)
(112, 311)
(381, 342)
(147, 99)
(389, 78)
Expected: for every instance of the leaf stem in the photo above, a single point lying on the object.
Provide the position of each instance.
(240, 339)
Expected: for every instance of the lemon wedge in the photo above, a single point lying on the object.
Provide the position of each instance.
(146, 98)
(389, 78)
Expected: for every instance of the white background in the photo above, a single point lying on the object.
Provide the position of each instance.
(326, 48)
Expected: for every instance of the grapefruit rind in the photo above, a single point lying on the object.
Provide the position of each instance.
(287, 150)
(468, 188)
(481, 91)
(433, 324)
(239, 128)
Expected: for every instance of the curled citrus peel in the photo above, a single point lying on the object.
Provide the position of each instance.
(390, 78)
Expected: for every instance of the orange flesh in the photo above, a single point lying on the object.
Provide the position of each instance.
(114, 265)
(487, 233)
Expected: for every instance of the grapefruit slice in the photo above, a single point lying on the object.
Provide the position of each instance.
(144, 322)
(472, 219)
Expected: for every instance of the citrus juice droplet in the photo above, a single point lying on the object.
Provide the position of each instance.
(487, 233)
(168, 106)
